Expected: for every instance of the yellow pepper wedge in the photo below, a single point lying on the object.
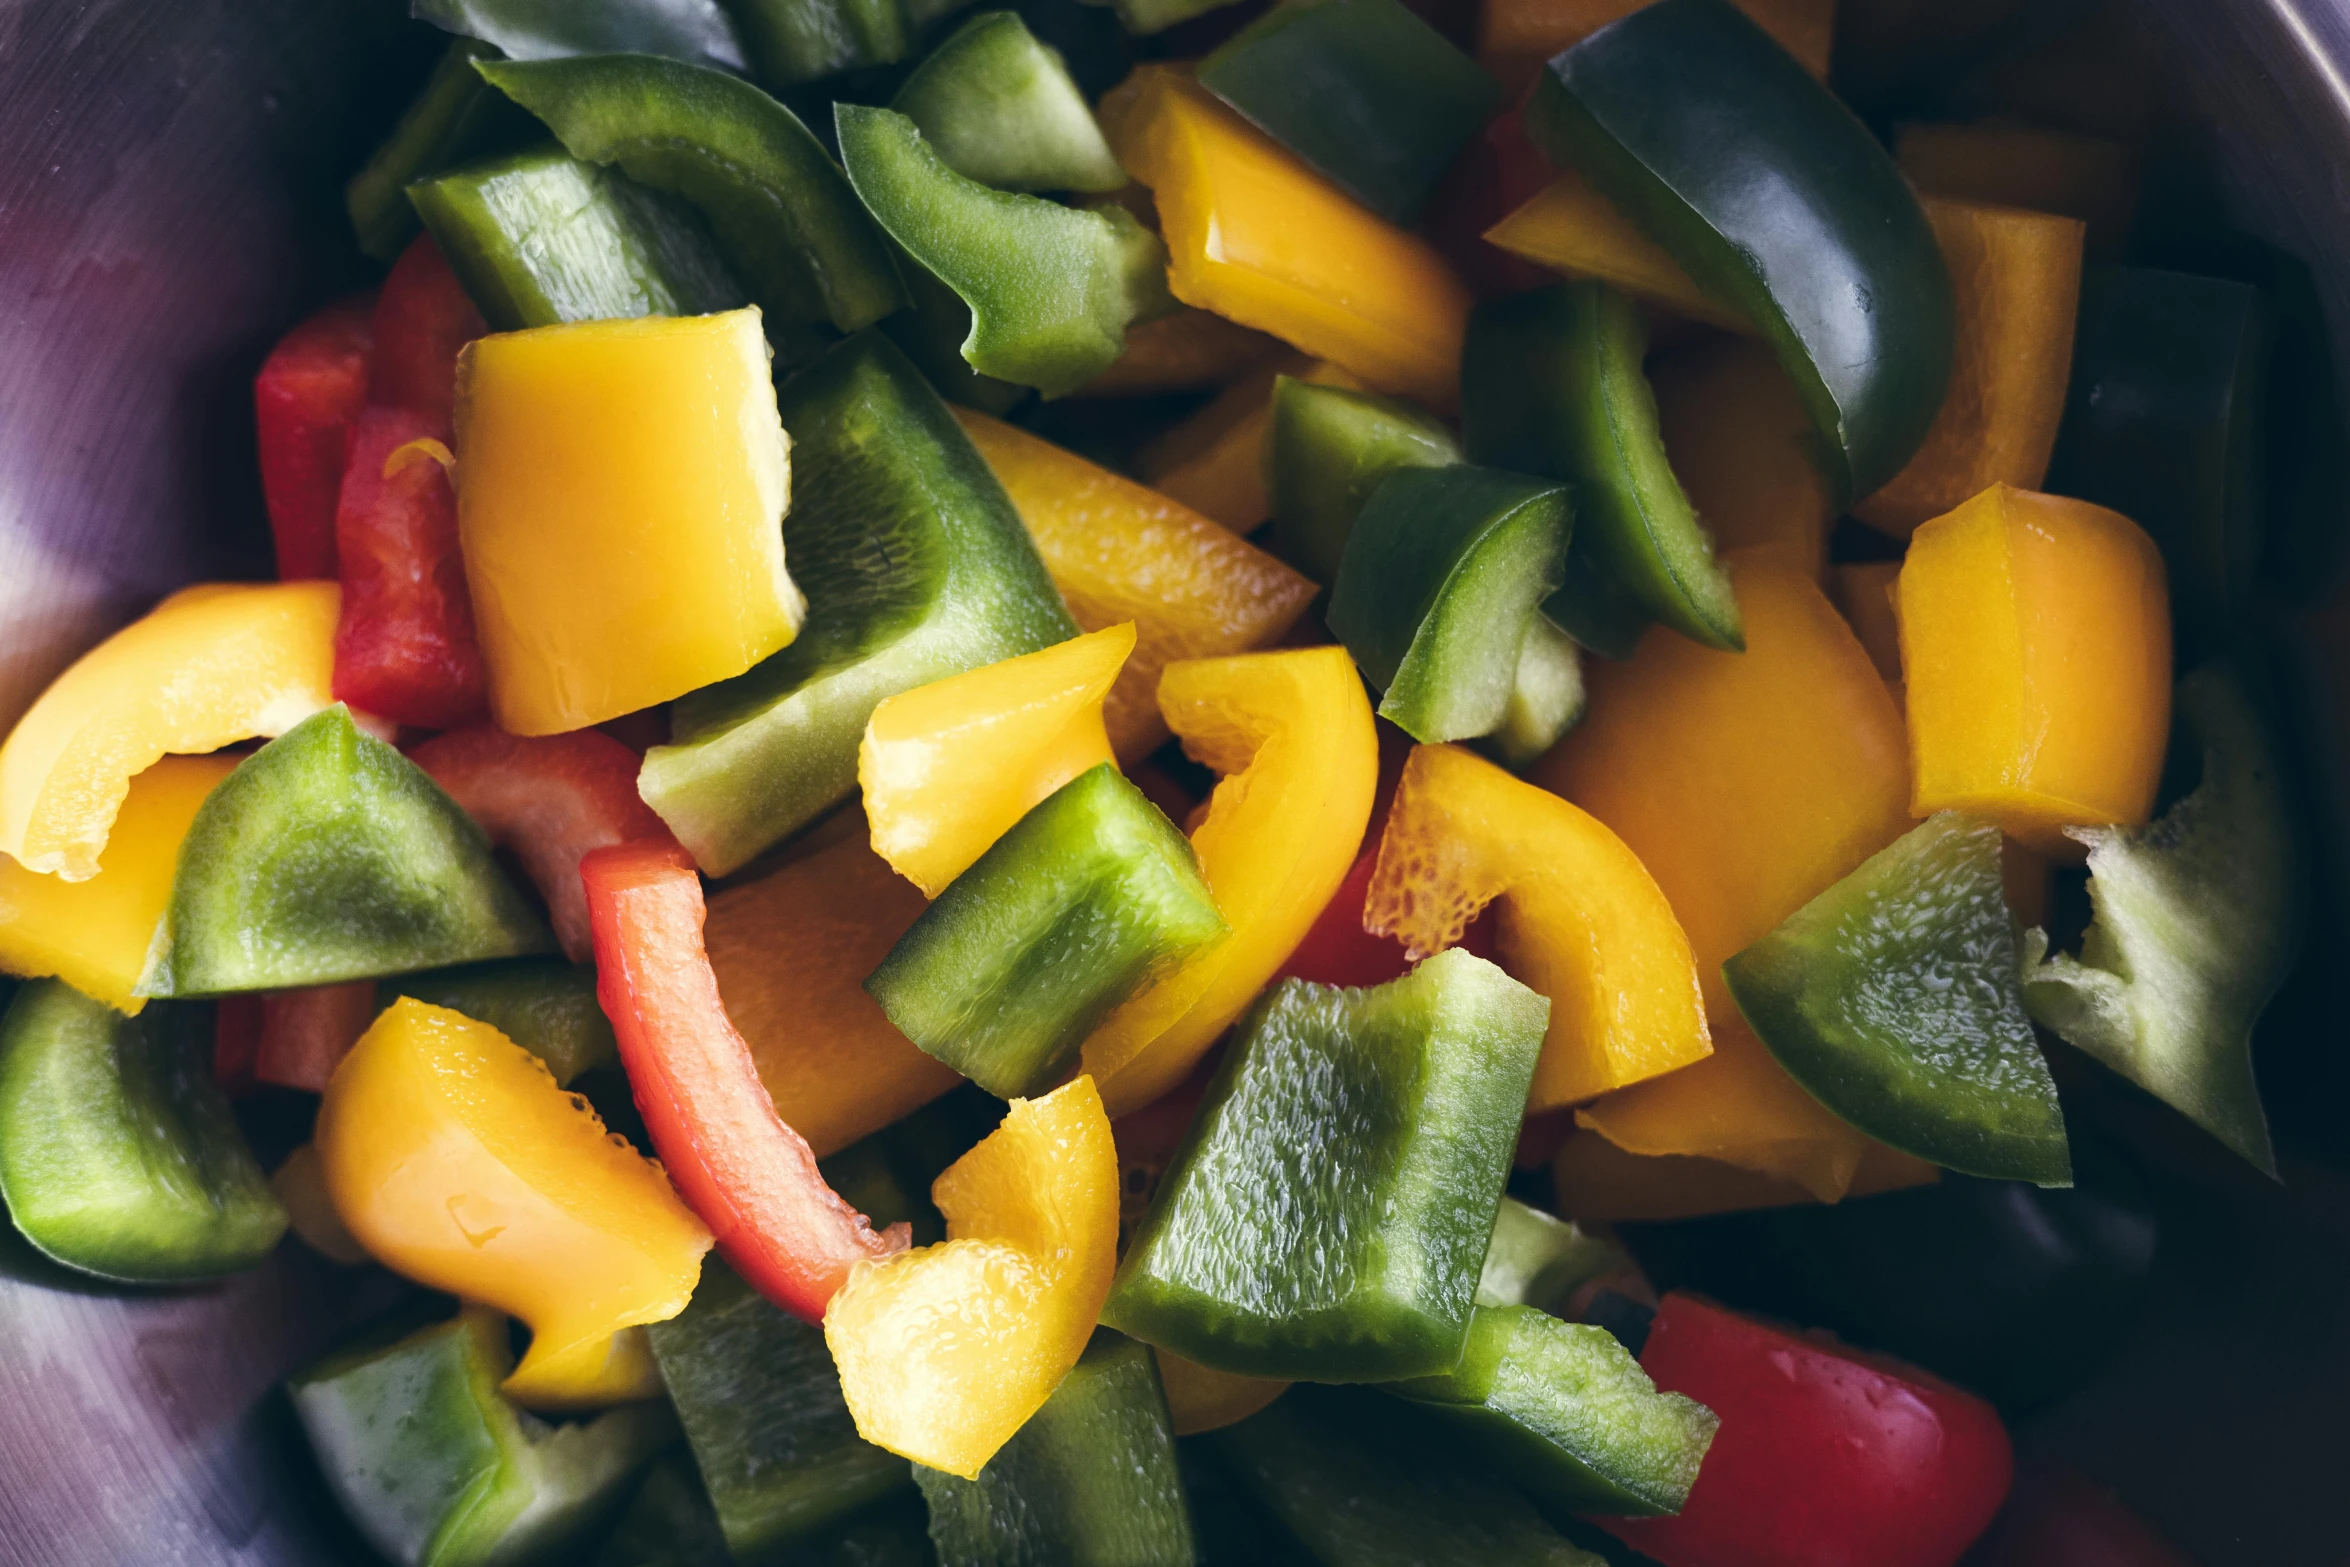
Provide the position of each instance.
(1214, 461)
(948, 767)
(1582, 921)
(1201, 1398)
(454, 1159)
(1741, 445)
(620, 494)
(1119, 552)
(1515, 37)
(94, 934)
(2035, 641)
(1597, 1182)
(945, 1351)
(1291, 738)
(1259, 238)
(208, 667)
(1573, 229)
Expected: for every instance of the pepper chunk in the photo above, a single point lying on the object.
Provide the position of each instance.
(1215, 460)
(310, 389)
(1739, 441)
(1326, 449)
(305, 1033)
(545, 1005)
(999, 107)
(1570, 228)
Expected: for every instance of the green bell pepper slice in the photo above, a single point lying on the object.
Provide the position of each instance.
(1781, 205)
(455, 117)
(438, 1469)
(1548, 700)
(1371, 1132)
(328, 856)
(1552, 383)
(1442, 579)
(545, 1005)
(932, 333)
(1326, 450)
(2197, 920)
(1087, 899)
(916, 567)
(999, 106)
(1363, 90)
(1539, 1259)
(794, 42)
(1896, 999)
(699, 32)
(1090, 1478)
(118, 1154)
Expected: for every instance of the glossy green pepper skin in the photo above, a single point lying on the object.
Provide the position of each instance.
(698, 32)
(545, 1005)
(118, 1155)
(328, 856)
(455, 117)
(999, 107)
(1778, 202)
(916, 567)
(1327, 449)
(1328, 1214)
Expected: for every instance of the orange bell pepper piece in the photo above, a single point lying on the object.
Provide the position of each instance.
(1291, 737)
(1119, 552)
(1582, 922)
(1180, 353)
(1201, 1398)
(2035, 638)
(1515, 37)
(2085, 177)
(1259, 238)
(1214, 461)
(1572, 229)
(1597, 1182)
(945, 1351)
(1741, 445)
(1863, 591)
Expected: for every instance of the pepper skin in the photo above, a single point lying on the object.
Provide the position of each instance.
(1515, 37)
(305, 1033)
(310, 389)
(423, 317)
(1742, 447)
(1215, 460)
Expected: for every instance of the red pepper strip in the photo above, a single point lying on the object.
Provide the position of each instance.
(1494, 176)
(2059, 1517)
(405, 647)
(422, 318)
(551, 799)
(1827, 1457)
(750, 1177)
(236, 1043)
(306, 1033)
(310, 389)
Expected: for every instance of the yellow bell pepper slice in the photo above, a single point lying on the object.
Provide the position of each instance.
(1179, 353)
(1515, 37)
(1573, 229)
(620, 494)
(1119, 552)
(1259, 238)
(948, 767)
(454, 1159)
(1597, 1182)
(945, 1351)
(1214, 461)
(1291, 739)
(2035, 640)
(1741, 445)
(1201, 1398)
(208, 667)
(1582, 921)
(94, 934)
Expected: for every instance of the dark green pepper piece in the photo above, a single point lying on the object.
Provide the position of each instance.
(1086, 900)
(1548, 700)
(118, 1154)
(1328, 1213)
(545, 1005)
(1896, 999)
(932, 335)
(916, 567)
(1443, 575)
(1326, 450)
(1090, 1478)
(789, 224)
(1781, 205)
(1363, 90)
(1552, 383)
(668, 1523)
(998, 106)
(698, 32)
(328, 856)
(1539, 1259)
(455, 117)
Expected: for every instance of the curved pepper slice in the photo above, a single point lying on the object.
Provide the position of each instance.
(1325, 450)
(946, 1351)
(749, 1176)
(1000, 107)
(1291, 735)
(1215, 460)
(310, 388)
(1583, 922)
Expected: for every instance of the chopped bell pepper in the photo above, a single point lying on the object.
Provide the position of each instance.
(299, 1185)
(1290, 736)
(1200, 1398)
(2003, 164)
(1187, 351)
(545, 1005)
(1215, 461)
(620, 486)
(118, 1154)
(931, 334)
(999, 107)
(1601, 1183)
(423, 318)
(945, 1352)
(1326, 449)
(454, 117)
(1567, 227)
(206, 668)
(1739, 441)
(795, 42)
(1516, 37)
(310, 389)
(1583, 922)
(2036, 651)
(1540, 1260)
(305, 1033)
(328, 856)
(1363, 294)
(697, 31)
(1546, 700)
(1863, 592)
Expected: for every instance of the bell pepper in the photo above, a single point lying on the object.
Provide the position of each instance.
(2197, 919)
(299, 1184)
(1746, 784)
(1516, 37)
(791, 44)
(1091, 1476)
(1118, 552)
(944, 1353)
(328, 856)
(305, 1033)
(931, 334)
(1863, 592)
(692, 30)
(1739, 441)
(1338, 951)
(2036, 649)
(1599, 1183)
(2015, 283)
(454, 117)
(947, 768)
(1780, 203)
(1188, 351)
(438, 1469)
(667, 1522)
(423, 318)
(2004, 164)
(1200, 1398)
(94, 934)
(1326, 449)
(1215, 461)
(118, 1154)
(1547, 699)
(1583, 922)
(1495, 175)
(1291, 738)
(1825, 1455)
(919, 569)
(1567, 227)
(310, 389)
(206, 668)
(1540, 1260)
(999, 107)
(1364, 295)
(545, 1005)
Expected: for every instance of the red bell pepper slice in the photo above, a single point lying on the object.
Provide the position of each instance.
(422, 318)
(750, 1177)
(1827, 1457)
(310, 389)
(306, 1033)
(551, 799)
(236, 1044)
